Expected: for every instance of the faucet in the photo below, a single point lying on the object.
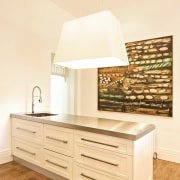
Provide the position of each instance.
(40, 98)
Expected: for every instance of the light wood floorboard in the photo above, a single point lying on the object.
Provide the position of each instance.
(163, 170)
(15, 171)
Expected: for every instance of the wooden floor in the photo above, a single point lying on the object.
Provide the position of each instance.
(163, 170)
(15, 171)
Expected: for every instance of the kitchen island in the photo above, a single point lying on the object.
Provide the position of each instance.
(77, 147)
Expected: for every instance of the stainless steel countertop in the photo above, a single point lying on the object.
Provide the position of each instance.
(117, 128)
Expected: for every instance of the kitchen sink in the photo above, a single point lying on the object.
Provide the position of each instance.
(40, 114)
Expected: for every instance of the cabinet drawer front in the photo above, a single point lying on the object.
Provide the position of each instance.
(123, 146)
(81, 172)
(58, 163)
(111, 162)
(27, 151)
(58, 139)
(28, 130)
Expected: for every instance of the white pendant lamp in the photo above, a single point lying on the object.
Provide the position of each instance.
(92, 41)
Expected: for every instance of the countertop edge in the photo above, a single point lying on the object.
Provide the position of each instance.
(123, 135)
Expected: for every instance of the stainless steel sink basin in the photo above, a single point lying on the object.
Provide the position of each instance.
(40, 114)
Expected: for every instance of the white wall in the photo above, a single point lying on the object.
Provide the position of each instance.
(29, 31)
(143, 20)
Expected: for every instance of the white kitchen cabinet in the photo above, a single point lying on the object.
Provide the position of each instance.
(58, 144)
(27, 130)
(126, 159)
(76, 154)
(30, 152)
(27, 140)
(105, 160)
(47, 146)
(58, 139)
(83, 172)
(58, 163)
(115, 144)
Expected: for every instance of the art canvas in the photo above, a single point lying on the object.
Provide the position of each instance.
(143, 87)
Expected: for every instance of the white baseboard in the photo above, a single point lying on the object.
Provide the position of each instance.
(5, 156)
(168, 154)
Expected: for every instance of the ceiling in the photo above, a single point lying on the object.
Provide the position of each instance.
(85, 7)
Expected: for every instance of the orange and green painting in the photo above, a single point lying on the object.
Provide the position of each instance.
(143, 87)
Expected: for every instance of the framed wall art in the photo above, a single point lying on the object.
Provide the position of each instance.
(143, 87)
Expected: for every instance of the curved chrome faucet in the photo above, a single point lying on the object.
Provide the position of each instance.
(40, 98)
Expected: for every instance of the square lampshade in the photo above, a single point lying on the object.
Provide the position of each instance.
(92, 41)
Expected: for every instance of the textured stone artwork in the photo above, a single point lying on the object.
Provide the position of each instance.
(143, 87)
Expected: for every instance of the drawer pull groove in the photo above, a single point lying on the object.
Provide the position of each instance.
(26, 151)
(90, 157)
(99, 143)
(61, 166)
(60, 140)
(26, 130)
(87, 176)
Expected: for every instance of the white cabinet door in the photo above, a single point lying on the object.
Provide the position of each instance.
(58, 139)
(27, 130)
(114, 163)
(82, 172)
(110, 143)
(58, 163)
(28, 151)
